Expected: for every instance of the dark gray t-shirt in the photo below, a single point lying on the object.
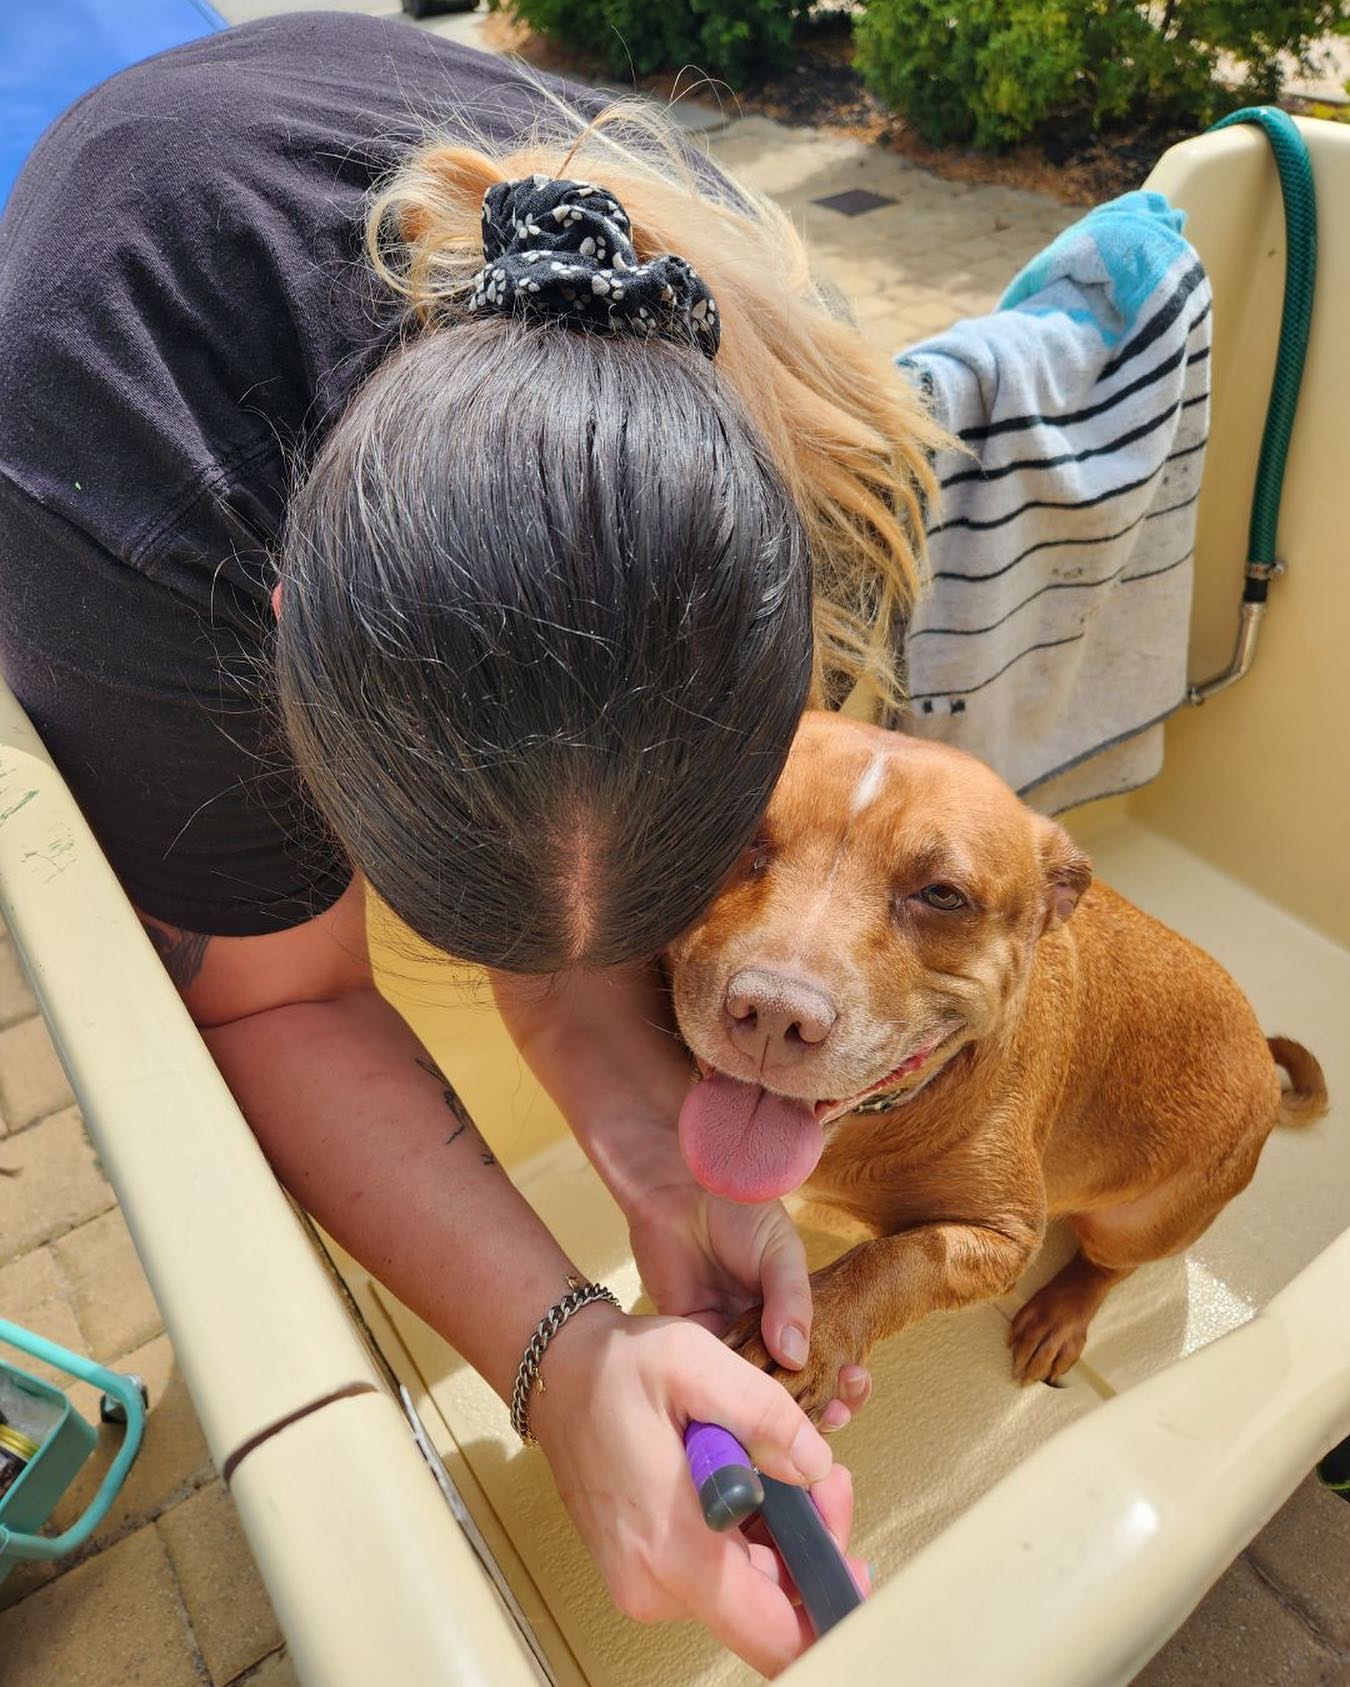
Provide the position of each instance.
(184, 308)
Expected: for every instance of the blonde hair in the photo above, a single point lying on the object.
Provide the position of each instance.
(852, 442)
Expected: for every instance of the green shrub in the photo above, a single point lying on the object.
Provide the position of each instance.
(732, 39)
(994, 72)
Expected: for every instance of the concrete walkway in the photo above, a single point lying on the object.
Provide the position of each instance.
(166, 1595)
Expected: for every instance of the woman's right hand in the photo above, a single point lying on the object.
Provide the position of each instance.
(618, 1393)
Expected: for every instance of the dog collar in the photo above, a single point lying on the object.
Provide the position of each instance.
(882, 1103)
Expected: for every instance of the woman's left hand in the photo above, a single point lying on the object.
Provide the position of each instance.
(711, 1260)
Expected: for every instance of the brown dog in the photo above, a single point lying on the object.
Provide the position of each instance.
(892, 1007)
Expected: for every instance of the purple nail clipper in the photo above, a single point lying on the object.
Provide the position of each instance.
(730, 1490)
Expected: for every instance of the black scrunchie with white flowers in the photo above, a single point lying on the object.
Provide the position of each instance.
(562, 250)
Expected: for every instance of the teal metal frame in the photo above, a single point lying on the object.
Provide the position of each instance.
(33, 1498)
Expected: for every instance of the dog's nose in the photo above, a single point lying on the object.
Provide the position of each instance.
(775, 1019)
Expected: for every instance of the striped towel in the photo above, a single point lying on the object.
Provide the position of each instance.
(1052, 642)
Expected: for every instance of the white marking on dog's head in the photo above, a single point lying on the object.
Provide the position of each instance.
(865, 791)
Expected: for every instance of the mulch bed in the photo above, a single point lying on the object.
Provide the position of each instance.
(823, 90)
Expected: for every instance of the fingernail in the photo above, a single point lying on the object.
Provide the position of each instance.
(793, 1345)
(810, 1455)
(858, 1386)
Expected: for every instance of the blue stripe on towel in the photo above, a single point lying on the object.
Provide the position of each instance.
(1116, 257)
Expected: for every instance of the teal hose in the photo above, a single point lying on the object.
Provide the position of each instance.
(1300, 225)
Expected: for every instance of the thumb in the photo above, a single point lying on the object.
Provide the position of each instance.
(786, 1290)
(722, 1388)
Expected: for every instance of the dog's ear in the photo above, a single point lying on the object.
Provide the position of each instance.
(1067, 873)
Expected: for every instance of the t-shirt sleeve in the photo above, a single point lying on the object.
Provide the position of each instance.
(158, 714)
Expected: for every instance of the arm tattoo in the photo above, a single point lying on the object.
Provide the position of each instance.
(457, 1110)
(182, 952)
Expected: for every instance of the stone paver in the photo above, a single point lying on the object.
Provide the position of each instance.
(16, 999)
(1242, 1633)
(208, 1551)
(942, 251)
(112, 1622)
(50, 1183)
(276, 1671)
(32, 1082)
(111, 1296)
(1305, 1550)
(33, 1293)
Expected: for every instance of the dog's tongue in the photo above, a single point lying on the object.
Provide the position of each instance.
(742, 1142)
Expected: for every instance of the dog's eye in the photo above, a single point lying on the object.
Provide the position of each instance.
(945, 897)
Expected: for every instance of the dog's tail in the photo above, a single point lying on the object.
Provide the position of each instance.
(1305, 1099)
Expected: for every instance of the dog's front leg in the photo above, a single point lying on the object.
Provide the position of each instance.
(880, 1288)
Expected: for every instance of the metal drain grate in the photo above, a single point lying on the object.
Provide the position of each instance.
(855, 202)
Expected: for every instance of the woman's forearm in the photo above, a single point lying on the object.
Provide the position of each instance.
(372, 1141)
(604, 1046)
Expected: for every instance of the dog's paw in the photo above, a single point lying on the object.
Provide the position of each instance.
(816, 1384)
(1047, 1337)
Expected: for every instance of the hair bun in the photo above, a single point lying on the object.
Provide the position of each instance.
(563, 250)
